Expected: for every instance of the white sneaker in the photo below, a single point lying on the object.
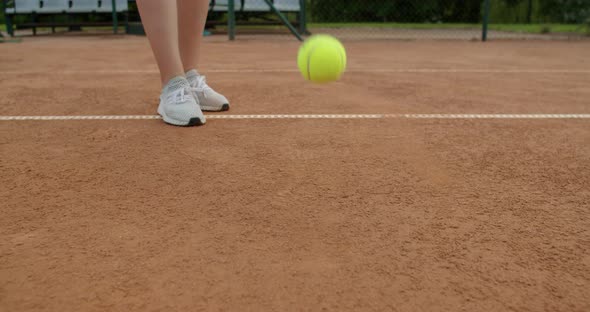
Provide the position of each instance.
(208, 99)
(178, 106)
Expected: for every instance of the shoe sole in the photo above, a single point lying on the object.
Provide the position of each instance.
(195, 121)
(223, 108)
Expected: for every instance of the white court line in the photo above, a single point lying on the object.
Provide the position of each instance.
(393, 71)
(313, 116)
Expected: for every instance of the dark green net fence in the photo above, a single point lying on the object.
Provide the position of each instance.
(396, 19)
(432, 19)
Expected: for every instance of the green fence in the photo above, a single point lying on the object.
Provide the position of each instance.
(2, 19)
(433, 19)
(398, 19)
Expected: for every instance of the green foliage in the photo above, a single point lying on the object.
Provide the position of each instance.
(520, 28)
(1, 12)
(454, 11)
(449, 11)
(566, 11)
(515, 11)
(395, 11)
(540, 11)
(539, 28)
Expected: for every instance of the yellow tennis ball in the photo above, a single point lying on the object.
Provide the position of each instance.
(321, 59)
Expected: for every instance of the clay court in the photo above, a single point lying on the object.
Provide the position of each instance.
(435, 176)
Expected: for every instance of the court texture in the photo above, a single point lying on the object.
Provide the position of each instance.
(435, 176)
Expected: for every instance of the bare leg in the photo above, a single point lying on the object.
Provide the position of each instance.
(159, 20)
(192, 15)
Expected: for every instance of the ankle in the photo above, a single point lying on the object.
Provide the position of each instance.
(191, 74)
(166, 79)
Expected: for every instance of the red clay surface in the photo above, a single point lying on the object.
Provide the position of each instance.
(292, 215)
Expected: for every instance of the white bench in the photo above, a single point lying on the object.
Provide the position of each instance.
(25, 6)
(53, 7)
(257, 5)
(223, 5)
(91, 6)
(288, 5)
(281, 5)
(83, 6)
(106, 6)
(245, 7)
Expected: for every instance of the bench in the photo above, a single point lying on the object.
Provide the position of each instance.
(256, 5)
(36, 8)
(245, 7)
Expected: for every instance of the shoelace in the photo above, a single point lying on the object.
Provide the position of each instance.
(200, 85)
(179, 96)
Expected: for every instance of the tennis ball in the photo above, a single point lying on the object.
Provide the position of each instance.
(322, 59)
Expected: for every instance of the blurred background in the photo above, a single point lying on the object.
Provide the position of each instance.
(352, 19)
